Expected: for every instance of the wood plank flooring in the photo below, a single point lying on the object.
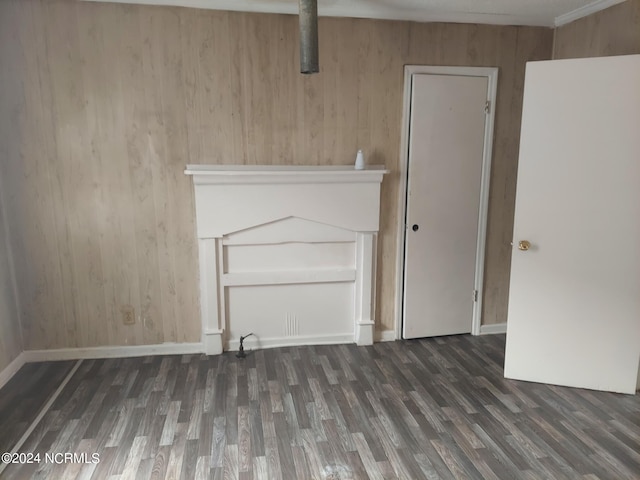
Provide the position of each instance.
(22, 398)
(424, 409)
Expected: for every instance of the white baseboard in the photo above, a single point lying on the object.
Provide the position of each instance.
(274, 342)
(115, 351)
(11, 369)
(112, 351)
(385, 336)
(493, 329)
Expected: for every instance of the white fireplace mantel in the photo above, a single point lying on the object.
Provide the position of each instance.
(287, 253)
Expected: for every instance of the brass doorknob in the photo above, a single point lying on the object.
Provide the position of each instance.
(524, 245)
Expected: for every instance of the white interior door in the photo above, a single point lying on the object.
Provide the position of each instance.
(446, 145)
(574, 299)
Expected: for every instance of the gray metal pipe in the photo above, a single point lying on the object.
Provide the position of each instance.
(309, 36)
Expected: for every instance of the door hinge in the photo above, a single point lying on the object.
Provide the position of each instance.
(487, 106)
(475, 295)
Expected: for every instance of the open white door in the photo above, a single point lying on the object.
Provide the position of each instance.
(446, 148)
(574, 300)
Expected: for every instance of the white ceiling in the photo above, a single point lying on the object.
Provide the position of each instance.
(498, 12)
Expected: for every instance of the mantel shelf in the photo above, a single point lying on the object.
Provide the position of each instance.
(245, 174)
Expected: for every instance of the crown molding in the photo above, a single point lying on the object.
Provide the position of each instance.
(585, 11)
(384, 12)
(351, 10)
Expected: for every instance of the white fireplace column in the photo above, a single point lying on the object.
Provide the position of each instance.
(365, 288)
(287, 253)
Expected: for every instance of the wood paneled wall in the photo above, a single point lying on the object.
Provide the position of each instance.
(10, 334)
(11, 344)
(102, 105)
(614, 31)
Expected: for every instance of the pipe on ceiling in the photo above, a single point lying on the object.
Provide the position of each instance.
(309, 36)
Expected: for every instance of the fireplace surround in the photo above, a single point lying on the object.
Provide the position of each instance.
(287, 253)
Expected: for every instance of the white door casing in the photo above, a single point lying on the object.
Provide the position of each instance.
(574, 297)
(448, 130)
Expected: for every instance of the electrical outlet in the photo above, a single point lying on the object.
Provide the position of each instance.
(128, 315)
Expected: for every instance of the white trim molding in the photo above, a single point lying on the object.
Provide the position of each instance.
(282, 174)
(10, 370)
(584, 11)
(493, 329)
(492, 87)
(253, 343)
(112, 351)
(365, 287)
(386, 336)
(30, 356)
(411, 11)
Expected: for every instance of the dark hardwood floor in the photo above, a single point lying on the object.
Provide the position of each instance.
(22, 398)
(425, 409)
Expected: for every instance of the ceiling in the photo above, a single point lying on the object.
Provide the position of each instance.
(547, 13)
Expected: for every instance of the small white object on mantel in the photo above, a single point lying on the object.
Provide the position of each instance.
(359, 160)
(286, 252)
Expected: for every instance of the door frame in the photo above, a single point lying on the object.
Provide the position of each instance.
(491, 73)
